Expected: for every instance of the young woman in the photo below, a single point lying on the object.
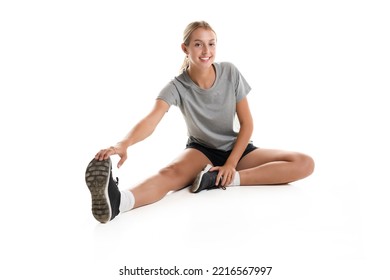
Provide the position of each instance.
(210, 95)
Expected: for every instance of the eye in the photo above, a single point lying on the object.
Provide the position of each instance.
(212, 44)
(197, 44)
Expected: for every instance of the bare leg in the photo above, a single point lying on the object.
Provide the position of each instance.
(266, 166)
(180, 173)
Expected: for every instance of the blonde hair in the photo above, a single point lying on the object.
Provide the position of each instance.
(186, 38)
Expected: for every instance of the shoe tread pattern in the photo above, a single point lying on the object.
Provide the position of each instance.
(97, 177)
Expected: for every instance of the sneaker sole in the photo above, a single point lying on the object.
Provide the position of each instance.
(195, 186)
(97, 178)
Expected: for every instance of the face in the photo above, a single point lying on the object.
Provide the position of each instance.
(202, 48)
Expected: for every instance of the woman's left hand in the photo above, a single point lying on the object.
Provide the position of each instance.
(225, 174)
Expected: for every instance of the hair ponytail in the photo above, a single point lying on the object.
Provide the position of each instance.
(185, 64)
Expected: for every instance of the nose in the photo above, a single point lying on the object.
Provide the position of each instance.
(205, 49)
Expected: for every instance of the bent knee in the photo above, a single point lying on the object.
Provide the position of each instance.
(304, 163)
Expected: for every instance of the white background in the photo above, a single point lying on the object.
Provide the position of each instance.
(75, 76)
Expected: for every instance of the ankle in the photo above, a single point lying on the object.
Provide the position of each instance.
(236, 181)
(127, 201)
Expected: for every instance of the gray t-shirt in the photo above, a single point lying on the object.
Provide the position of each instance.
(209, 113)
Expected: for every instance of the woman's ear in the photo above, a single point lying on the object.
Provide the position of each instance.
(184, 48)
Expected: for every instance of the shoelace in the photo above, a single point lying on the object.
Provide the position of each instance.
(217, 187)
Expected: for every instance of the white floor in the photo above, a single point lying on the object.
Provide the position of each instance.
(315, 228)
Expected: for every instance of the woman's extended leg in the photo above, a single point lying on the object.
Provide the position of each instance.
(108, 201)
(177, 175)
(267, 166)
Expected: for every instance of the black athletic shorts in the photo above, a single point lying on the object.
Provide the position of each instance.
(218, 157)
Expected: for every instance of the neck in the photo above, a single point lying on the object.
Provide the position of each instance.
(203, 78)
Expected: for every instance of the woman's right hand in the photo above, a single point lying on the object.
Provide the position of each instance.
(119, 149)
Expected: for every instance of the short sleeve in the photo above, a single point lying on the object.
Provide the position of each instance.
(170, 94)
(242, 88)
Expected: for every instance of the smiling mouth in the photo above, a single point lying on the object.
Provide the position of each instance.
(205, 58)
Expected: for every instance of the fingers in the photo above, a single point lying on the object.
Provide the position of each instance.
(224, 180)
(225, 175)
(121, 161)
(105, 153)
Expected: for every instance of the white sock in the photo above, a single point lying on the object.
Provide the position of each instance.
(127, 201)
(236, 180)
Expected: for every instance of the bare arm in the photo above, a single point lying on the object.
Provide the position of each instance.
(226, 172)
(246, 128)
(143, 129)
